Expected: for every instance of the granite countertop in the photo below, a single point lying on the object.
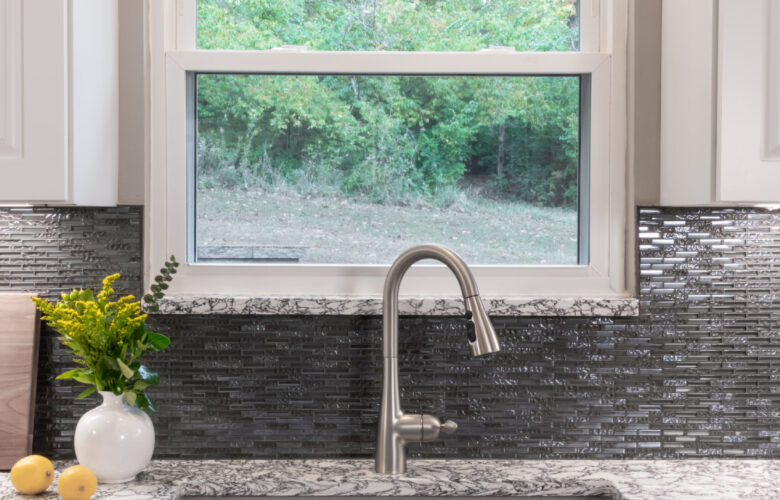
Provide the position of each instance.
(420, 306)
(628, 479)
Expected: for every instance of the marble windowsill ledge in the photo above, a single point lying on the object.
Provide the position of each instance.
(372, 306)
(617, 479)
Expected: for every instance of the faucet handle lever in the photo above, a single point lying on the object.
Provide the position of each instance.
(432, 426)
(448, 427)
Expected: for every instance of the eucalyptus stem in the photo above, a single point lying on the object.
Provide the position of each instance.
(160, 284)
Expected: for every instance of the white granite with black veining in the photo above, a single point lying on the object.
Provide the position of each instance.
(629, 479)
(370, 306)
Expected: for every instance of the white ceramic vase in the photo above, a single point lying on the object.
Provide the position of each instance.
(115, 440)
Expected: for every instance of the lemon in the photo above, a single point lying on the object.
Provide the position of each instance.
(76, 483)
(32, 475)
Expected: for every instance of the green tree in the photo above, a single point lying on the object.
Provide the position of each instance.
(390, 139)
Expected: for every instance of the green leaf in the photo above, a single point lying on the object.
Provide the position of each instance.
(154, 308)
(130, 397)
(140, 385)
(158, 340)
(138, 333)
(84, 378)
(149, 376)
(126, 371)
(110, 363)
(148, 298)
(86, 392)
(78, 375)
(144, 402)
(155, 289)
(69, 374)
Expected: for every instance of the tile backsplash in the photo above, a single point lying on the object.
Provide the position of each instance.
(696, 374)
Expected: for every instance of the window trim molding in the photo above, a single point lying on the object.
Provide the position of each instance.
(166, 228)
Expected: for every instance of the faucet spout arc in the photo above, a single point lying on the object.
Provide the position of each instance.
(468, 287)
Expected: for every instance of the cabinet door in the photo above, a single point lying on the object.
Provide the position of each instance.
(749, 101)
(33, 101)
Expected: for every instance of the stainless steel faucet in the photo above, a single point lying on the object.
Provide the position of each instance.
(397, 428)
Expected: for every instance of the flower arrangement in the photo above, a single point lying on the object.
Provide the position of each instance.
(106, 339)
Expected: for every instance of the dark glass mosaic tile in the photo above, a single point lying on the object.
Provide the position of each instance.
(53, 250)
(695, 375)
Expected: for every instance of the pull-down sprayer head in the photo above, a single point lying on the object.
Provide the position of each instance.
(482, 337)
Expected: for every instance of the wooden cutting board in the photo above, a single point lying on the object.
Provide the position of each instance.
(19, 330)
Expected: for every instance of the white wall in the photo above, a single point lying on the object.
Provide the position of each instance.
(131, 102)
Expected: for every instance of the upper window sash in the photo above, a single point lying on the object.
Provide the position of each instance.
(593, 30)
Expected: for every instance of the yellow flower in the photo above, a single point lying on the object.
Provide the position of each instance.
(106, 292)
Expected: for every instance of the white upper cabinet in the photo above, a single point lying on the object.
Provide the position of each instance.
(749, 100)
(720, 102)
(58, 102)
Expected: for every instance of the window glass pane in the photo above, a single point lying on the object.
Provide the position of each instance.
(401, 25)
(355, 169)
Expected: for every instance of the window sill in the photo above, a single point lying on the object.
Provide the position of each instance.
(372, 306)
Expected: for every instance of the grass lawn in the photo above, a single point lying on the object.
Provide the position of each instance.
(480, 230)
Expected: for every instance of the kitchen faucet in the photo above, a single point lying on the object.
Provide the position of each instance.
(397, 428)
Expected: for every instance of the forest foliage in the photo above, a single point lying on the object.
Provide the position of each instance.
(391, 139)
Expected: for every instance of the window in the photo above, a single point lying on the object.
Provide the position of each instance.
(298, 147)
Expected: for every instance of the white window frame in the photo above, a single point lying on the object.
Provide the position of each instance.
(173, 54)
